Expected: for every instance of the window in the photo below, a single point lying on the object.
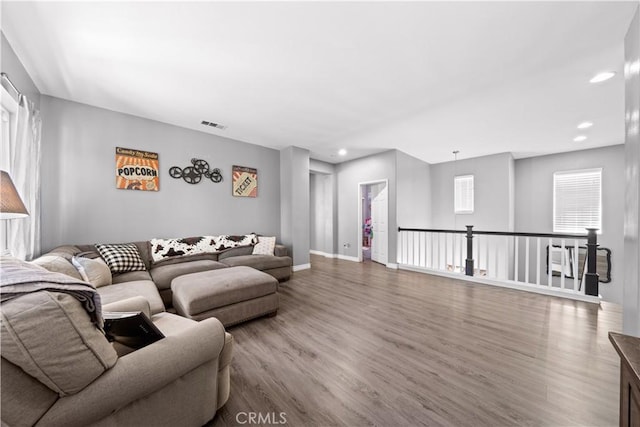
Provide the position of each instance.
(8, 108)
(463, 194)
(577, 201)
(4, 137)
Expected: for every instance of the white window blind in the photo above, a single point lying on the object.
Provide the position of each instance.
(577, 201)
(463, 194)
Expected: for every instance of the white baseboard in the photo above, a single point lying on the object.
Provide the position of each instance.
(301, 267)
(392, 265)
(324, 254)
(339, 256)
(564, 293)
(347, 258)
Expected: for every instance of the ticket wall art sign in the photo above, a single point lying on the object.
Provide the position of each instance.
(245, 181)
(137, 170)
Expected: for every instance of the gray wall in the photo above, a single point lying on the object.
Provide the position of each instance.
(493, 207)
(294, 184)
(534, 201)
(80, 203)
(414, 191)
(15, 70)
(631, 305)
(349, 175)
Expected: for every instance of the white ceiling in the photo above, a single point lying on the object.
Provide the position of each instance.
(423, 77)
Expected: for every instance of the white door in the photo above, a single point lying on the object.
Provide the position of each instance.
(379, 223)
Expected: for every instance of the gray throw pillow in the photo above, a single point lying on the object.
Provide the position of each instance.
(94, 271)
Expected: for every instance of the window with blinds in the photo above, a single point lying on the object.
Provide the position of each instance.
(463, 194)
(577, 201)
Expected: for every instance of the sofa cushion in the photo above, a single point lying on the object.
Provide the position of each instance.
(265, 246)
(131, 276)
(163, 275)
(213, 256)
(259, 262)
(52, 338)
(121, 257)
(241, 250)
(94, 271)
(143, 288)
(130, 304)
(57, 264)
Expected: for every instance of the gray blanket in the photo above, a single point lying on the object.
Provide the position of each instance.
(20, 277)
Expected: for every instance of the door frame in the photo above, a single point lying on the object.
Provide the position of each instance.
(361, 186)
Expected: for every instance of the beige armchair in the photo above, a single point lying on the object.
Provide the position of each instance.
(58, 369)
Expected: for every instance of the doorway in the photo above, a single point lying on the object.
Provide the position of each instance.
(373, 224)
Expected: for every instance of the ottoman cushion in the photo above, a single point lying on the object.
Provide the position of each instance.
(199, 292)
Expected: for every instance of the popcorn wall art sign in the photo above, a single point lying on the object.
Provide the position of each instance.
(137, 170)
(245, 181)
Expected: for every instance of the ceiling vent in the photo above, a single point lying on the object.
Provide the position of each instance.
(214, 125)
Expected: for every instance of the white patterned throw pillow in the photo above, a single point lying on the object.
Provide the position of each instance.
(121, 257)
(265, 246)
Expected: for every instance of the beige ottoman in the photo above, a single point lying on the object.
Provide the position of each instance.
(232, 295)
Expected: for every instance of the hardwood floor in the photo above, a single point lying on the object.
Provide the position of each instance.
(360, 344)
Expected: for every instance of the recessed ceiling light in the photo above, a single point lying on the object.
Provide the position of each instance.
(602, 77)
(585, 125)
(579, 138)
(342, 152)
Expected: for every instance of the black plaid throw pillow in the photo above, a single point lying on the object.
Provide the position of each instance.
(121, 257)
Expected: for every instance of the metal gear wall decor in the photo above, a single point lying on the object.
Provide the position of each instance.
(193, 174)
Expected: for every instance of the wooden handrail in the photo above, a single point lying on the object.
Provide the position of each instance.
(500, 233)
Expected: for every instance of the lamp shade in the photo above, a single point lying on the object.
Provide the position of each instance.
(11, 205)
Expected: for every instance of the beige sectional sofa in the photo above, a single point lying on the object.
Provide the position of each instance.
(58, 369)
(155, 283)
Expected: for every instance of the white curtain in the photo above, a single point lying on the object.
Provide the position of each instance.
(24, 168)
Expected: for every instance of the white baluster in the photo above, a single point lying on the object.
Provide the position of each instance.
(477, 256)
(446, 250)
(550, 272)
(463, 256)
(506, 257)
(515, 260)
(562, 262)
(538, 261)
(575, 266)
(496, 255)
(486, 243)
(526, 260)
